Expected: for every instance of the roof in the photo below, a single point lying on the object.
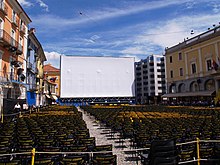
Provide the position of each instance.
(50, 68)
(192, 94)
(23, 11)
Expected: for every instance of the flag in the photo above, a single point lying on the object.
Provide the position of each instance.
(214, 65)
(53, 79)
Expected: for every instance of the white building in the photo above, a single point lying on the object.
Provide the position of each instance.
(150, 82)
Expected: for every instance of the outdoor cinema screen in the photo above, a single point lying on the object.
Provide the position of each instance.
(85, 77)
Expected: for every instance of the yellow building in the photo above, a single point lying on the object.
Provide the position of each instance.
(193, 68)
(52, 77)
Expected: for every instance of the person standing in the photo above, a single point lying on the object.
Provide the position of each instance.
(17, 107)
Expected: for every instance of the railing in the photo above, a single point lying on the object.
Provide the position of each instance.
(6, 77)
(14, 21)
(29, 65)
(33, 152)
(7, 40)
(22, 28)
(4, 36)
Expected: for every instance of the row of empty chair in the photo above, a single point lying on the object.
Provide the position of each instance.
(145, 124)
(58, 131)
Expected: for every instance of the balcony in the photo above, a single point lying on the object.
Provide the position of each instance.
(7, 77)
(20, 49)
(14, 22)
(22, 29)
(5, 38)
(33, 87)
(3, 9)
(31, 67)
(9, 42)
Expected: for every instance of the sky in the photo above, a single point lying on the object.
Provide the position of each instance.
(121, 28)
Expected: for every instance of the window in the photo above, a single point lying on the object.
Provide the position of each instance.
(158, 59)
(2, 5)
(13, 16)
(193, 68)
(1, 25)
(209, 64)
(13, 37)
(138, 68)
(180, 56)
(21, 41)
(181, 71)
(171, 59)
(171, 74)
(151, 58)
(152, 87)
(152, 82)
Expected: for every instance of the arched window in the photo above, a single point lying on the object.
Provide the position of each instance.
(181, 88)
(172, 88)
(194, 86)
(210, 85)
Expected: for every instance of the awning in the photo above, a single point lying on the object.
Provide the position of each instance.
(190, 94)
(48, 96)
(54, 97)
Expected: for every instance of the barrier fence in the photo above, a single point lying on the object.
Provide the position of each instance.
(198, 159)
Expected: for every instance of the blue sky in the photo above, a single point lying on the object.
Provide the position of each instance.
(135, 28)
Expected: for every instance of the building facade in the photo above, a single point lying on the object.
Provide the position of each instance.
(35, 59)
(13, 48)
(192, 68)
(150, 79)
(53, 75)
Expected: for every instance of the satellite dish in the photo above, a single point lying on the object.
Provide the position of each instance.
(192, 32)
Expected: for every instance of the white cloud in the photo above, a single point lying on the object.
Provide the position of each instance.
(25, 3)
(136, 58)
(53, 58)
(43, 5)
(171, 32)
(50, 21)
(134, 50)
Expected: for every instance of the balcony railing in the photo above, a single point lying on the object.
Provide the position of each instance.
(33, 87)
(9, 41)
(3, 8)
(14, 21)
(29, 65)
(9, 76)
(22, 29)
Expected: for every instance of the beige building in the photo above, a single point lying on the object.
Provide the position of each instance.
(193, 68)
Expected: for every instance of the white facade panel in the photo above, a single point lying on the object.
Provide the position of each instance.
(83, 77)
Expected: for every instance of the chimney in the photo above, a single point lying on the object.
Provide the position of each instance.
(32, 30)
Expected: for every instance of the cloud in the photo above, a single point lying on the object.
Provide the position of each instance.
(134, 50)
(43, 5)
(53, 58)
(216, 8)
(25, 3)
(136, 58)
(50, 21)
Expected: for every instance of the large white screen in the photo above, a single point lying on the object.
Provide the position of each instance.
(97, 77)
